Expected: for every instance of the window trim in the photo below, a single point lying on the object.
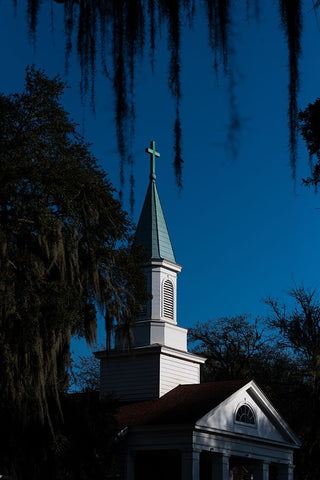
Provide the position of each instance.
(239, 422)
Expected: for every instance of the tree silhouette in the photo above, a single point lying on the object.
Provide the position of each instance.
(64, 253)
(299, 328)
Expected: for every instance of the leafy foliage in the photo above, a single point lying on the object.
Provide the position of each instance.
(230, 345)
(82, 448)
(121, 27)
(299, 329)
(278, 360)
(64, 252)
(86, 373)
(86, 446)
(309, 122)
(238, 348)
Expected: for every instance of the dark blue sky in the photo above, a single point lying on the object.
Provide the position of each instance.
(240, 227)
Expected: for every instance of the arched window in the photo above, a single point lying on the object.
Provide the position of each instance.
(168, 299)
(245, 415)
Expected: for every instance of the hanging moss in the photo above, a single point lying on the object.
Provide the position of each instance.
(171, 9)
(151, 14)
(129, 20)
(291, 17)
(218, 14)
(33, 7)
(178, 150)
(64, 249)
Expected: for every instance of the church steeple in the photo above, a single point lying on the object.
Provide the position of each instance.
(152, 231)
(158, 360)
(161, 268)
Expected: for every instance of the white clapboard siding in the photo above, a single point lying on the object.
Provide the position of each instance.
(132, 378)
(177, 371)
(147, 373)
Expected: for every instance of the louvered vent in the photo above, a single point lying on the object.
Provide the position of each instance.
(168, 299)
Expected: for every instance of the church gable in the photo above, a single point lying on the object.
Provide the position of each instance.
(248, 413)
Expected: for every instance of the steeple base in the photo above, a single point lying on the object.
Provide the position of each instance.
(146, 373)
(152, 332)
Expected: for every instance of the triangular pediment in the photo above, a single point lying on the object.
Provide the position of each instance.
(266, 424)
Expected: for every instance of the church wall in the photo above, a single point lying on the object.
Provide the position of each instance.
(130, 378)
(175, 371)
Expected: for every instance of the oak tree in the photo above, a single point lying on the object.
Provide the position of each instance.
(65, 256)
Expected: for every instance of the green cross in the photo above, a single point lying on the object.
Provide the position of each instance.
(153, 155)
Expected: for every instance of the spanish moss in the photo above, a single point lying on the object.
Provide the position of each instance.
(235, 121)
(253, 9)
(33, 7)
(290, 11)
(64, 249)
(129, 22)
(152, 28)
(218, 13)
(178, 150)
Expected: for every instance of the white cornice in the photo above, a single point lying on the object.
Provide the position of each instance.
(155, 262)
(152, 349)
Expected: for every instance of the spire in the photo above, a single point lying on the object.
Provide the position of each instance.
(152, 229)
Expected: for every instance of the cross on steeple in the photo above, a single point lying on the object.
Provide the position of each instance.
(153, 155)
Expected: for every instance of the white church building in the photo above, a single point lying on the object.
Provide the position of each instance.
(172, 426)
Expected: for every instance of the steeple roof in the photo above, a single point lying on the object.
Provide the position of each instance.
(152, 231)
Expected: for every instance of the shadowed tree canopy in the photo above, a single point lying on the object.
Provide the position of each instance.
(64, 250)
(86, 373)
(239, 347)
(309, 122)
(283, 361)
(230, 344)
(116, 34)
(299, 329)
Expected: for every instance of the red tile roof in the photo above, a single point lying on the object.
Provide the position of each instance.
(184, 404)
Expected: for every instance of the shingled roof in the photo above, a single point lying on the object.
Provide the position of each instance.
(184, 404)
